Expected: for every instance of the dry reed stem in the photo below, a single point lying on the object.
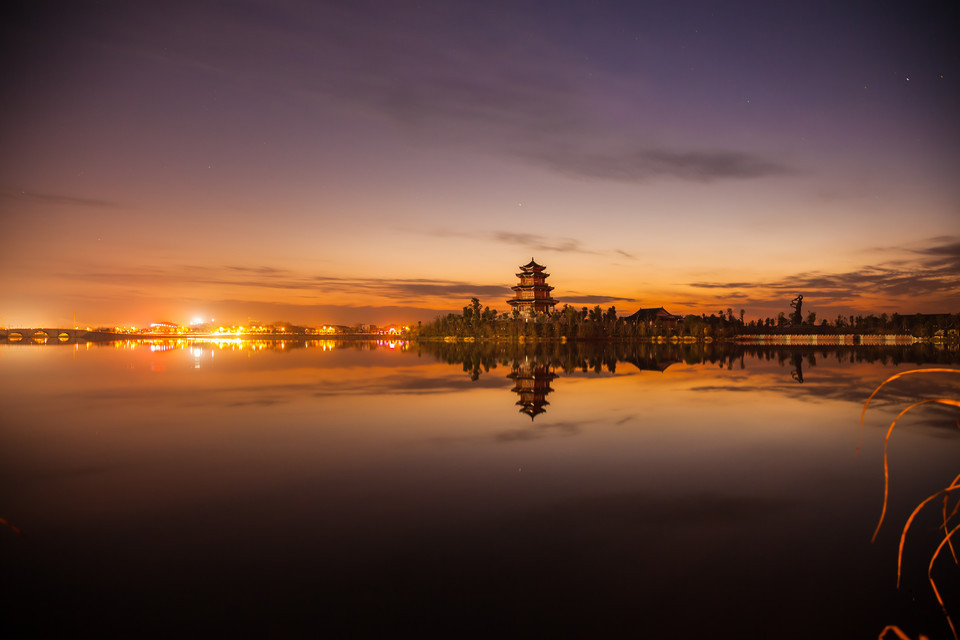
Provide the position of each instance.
(891, 379)
(954, 486)
(12, 527)
(903, 536)
(900, 634)
(900, 375)
(886, 442)
(947, 519)
(933, 584)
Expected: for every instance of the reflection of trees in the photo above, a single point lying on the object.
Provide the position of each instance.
(533, 366)
(477, 358)
(797, 372)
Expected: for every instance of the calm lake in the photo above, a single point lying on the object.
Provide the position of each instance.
(356, 488)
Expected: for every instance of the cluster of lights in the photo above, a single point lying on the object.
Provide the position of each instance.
(200, 327)
(393, 344)
(203, 328)
(234, 344)
(393, 331)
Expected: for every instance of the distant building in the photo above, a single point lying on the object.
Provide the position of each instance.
(164, 327)
(653, 316)
(391, 330)
(533, 292)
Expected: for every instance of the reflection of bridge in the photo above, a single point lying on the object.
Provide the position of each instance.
(48, 336)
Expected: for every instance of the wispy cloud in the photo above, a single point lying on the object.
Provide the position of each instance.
(645, 164)
(945, 254)
(593, 299)
(59, 199)
(533, 242)
(541, 243)
(538, 431)
(311, 286)
(261, 271)
(933, 270)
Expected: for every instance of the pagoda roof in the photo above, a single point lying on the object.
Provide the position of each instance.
(532, 301)
(654, 313)
(536, 287)
(532, 266)
(532, 410)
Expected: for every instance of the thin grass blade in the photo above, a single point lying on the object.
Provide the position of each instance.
(886, 442)
(933, 584)
(906, 527)
(895, 376)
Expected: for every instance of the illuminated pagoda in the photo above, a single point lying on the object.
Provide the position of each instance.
(533, 292)
(532, 383)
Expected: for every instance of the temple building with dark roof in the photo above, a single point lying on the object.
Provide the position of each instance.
(532, 295)
(653, 316)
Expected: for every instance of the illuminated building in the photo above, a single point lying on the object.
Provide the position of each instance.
(533, 292)
(164, 327)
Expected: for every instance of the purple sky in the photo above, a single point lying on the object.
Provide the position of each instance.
(377, 162)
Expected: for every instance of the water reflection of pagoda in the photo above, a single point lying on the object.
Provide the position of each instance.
(533, 292)
(531, 381)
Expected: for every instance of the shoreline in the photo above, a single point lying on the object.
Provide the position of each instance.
(57, 336)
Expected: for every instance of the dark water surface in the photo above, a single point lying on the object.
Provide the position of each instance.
(339, 489)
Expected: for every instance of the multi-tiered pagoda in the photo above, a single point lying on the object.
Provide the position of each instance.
(533, 292)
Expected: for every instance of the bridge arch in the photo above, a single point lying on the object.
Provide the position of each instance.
(42, 335)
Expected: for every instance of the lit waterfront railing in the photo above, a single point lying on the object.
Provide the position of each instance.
(848, 339)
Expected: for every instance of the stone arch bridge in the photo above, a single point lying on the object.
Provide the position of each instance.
(44, 335)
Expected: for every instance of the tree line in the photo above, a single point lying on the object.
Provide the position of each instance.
(571, 323)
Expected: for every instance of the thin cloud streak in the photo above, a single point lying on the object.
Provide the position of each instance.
(265, 277)
(936, 274)
(17, 195)
(532, 241)
(540, 243)
(589, 299)
(644, 165)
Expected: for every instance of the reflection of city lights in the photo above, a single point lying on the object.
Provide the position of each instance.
(393, 344)
(193, 343)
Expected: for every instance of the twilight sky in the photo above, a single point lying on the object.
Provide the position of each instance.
(342, 162)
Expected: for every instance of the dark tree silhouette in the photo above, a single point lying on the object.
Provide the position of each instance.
(797, 304)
